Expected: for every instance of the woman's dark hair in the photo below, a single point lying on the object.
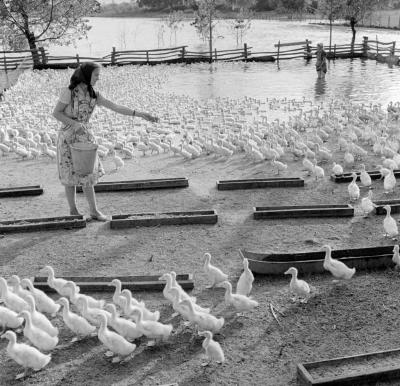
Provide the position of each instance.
(83, 74)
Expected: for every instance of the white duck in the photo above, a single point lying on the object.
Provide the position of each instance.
(389, 182)
(318, 171)
(337, 169)
(353, 189)
(39, 338)
(15, 283)
(396, 256)
(338, 269)
(76, 323)
(117, 298)
(367, 205)
(151, 328)
(183, 293)
(389, 223)
(204, 321)
(168, 285)
(9, 319)
(298, 287)
(55, 283)
(365, 178)
(214, 273)
(212, 348)
(124, 327)
(114, 342)
(75, 295)
(10, 299)
(239, 302)
(91, 314)
(245, 282)
(43, 302)
(130, 307)
(27, 356)
(40, 320)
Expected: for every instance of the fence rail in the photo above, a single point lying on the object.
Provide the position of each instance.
(11, 60)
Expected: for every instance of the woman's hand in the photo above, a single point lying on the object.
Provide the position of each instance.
(147, 117)
(79, 128)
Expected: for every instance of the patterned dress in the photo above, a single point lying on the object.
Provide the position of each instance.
(80, 108)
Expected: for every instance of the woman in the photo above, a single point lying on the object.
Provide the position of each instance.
(74, 108)
(321, 61)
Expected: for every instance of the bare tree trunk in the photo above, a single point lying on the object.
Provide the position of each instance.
(210, 41)
(353, 22)
(33, 47)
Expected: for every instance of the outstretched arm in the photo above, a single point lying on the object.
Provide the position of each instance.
(101, 101)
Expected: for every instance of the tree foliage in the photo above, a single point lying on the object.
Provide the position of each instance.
(43, 21)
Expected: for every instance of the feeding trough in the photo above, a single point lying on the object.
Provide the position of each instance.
(374, 174)
(42, 224)
(273, 212)
(164, 218)
(257, 183)
(364, 369)
(394, 205)
(33, 190)
(158, 183)
(312, 262)
(133, 283)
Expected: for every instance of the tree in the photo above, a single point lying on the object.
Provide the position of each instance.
(42, 21)
(352, 10)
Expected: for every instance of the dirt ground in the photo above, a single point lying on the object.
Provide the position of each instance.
(357, 317)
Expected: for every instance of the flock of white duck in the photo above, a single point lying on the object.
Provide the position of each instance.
(116, 324)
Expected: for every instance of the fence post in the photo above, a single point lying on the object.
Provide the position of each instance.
(147, 57)
(77, 58)
(393, 48)
(308, 50)
(365, 46)
(334, 51)
(183, 53)
(245, 50)
(113, 56)
(388, 21)
(43, 54)
(215, 54)
(279, 48)
(377, 48)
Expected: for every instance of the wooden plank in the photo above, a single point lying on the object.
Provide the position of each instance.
(33, 190)
(161, 183)
(42, 224)
(374, 174)
(338, 210)
(371, 375)
(99, 286)
(165, 218)
(293, 44)
(108, 279)
(394, 205)
(256, 183)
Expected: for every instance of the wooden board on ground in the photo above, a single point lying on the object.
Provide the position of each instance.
(18, 191)
(158, 183)
(364, 369)
(394, 205)
(133, 283)
(374, 174)
(274, 212)
(42, 224)
(257, 183)
(164, 218)
(312, 261)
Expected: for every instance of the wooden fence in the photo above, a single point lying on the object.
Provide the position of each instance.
(11, 61)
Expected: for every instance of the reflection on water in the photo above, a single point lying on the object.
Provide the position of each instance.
(320, 87)
(361, 81)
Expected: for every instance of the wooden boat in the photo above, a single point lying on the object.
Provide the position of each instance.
(312, 262)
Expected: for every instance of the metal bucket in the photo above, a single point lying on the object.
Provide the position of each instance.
(84, 155)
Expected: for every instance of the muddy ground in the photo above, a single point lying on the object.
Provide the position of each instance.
(359, 316)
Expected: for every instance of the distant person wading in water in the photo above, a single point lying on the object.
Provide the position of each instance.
(321, 61)
(74, 109)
